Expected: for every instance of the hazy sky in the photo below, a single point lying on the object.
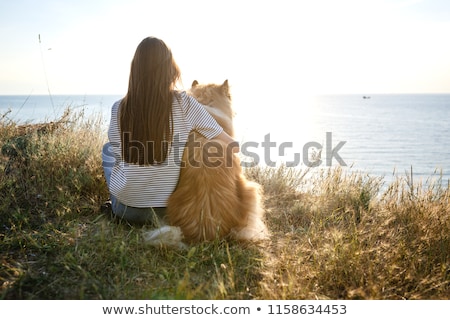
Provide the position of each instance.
(279, 47)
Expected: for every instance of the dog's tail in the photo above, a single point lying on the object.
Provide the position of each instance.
(165, 236)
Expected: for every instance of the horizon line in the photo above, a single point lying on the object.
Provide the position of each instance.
(311, 94)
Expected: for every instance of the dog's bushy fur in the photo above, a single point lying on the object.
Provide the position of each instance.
(215, 201)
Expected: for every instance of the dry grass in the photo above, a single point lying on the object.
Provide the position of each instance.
(343, 238)
(336, 234)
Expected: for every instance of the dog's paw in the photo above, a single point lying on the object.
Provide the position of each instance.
(166, 236)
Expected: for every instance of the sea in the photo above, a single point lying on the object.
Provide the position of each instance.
(382, 135)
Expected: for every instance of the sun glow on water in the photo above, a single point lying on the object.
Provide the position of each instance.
(276, 130)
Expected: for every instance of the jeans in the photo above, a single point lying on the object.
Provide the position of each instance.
(133, 215)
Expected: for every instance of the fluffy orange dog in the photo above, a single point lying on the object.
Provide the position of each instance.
(213, 199)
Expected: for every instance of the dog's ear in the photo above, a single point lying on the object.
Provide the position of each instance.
(226, 88)
(194, 83)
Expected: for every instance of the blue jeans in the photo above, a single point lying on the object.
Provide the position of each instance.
(132, 215)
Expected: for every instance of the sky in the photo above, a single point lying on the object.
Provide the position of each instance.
(269, 48)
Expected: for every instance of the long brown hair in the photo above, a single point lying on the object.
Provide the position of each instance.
(146, 111)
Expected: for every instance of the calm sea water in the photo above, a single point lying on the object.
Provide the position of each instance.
(385, 135)
(39, 108)
(389, 134)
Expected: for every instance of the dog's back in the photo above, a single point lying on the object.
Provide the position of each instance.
(213, 198)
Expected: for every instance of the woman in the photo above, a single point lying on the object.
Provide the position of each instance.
(148, 131)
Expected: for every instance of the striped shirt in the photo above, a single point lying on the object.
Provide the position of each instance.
(150, 186)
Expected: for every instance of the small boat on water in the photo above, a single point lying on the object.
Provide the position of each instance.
(366, 97)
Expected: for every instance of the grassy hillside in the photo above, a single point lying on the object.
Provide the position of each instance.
(335, 234)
